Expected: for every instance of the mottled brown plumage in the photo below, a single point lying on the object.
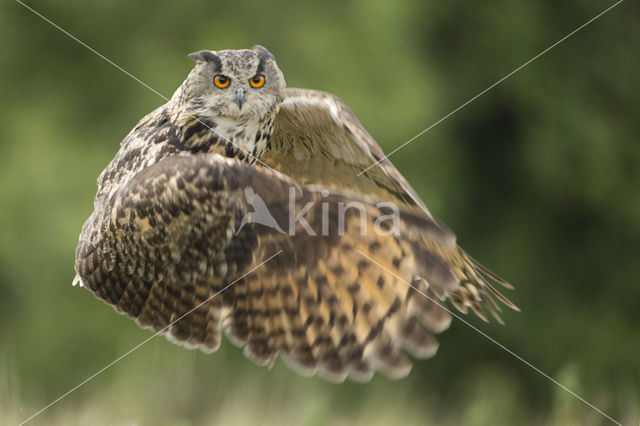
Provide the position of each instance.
(167, 245)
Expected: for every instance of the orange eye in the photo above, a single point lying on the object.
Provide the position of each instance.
(257, 81)
(221, 81)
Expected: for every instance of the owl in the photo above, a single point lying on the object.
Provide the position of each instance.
(241, 206)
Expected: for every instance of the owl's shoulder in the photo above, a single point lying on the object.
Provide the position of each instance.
(153, 138)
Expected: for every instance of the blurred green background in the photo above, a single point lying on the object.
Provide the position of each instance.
(539, 177)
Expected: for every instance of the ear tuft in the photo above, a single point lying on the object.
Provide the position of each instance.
(203, 55)
(262, 51)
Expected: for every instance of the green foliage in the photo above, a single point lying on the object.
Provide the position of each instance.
(539, 177)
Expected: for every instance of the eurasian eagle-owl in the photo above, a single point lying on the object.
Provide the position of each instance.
(164, 243)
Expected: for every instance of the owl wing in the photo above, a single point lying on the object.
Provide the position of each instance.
(318, 140)
(168, 250)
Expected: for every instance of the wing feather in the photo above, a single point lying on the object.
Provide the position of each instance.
(318, 140)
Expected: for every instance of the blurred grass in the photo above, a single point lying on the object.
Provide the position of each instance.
(539, 178)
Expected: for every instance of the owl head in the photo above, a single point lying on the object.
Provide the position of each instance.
(235, 85)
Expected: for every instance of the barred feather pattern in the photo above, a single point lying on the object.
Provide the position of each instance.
(322, 305)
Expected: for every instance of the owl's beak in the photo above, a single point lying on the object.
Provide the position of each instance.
(240, 97)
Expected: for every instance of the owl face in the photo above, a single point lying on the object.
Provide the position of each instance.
(236, 85)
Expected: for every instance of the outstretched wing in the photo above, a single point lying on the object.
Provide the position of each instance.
(318, 140)
(165, 251)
